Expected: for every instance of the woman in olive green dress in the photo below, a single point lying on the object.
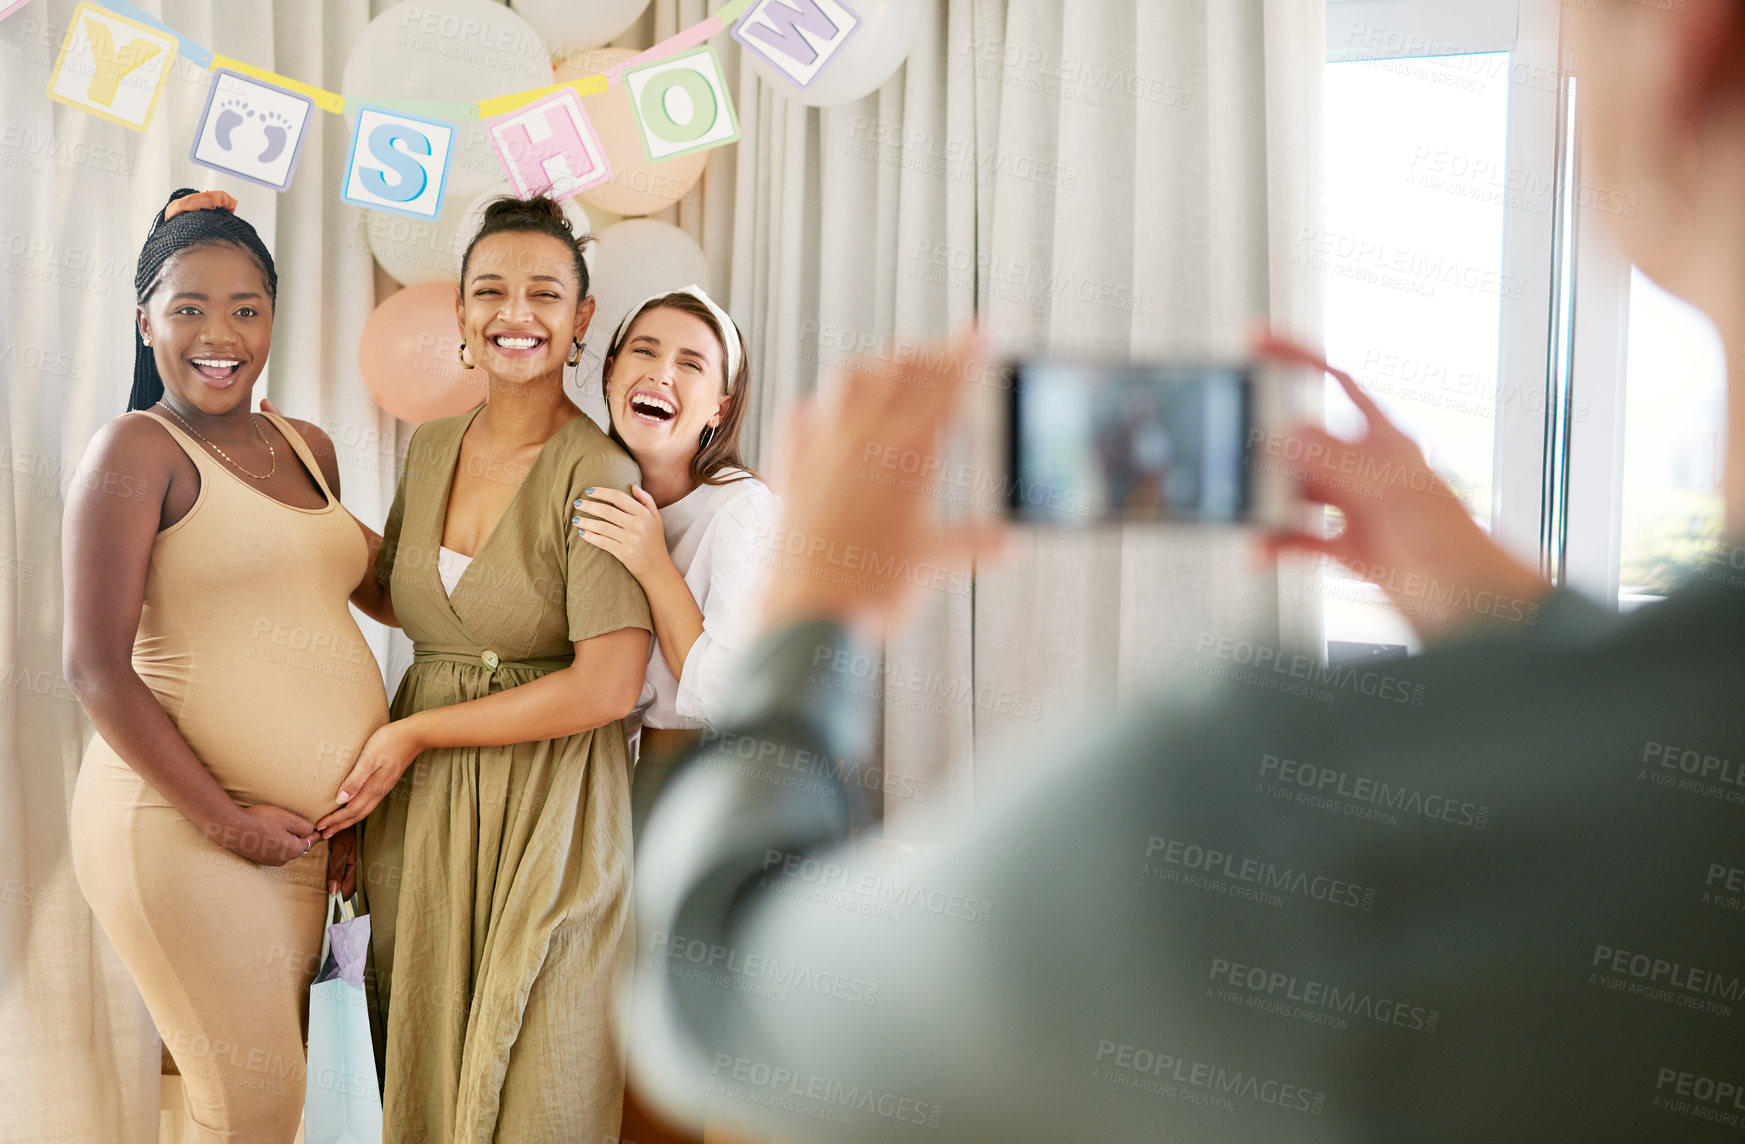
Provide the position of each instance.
(497, 866)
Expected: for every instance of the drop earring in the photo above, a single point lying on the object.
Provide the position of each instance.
(707, 436)
(575, 357)
(463, 356)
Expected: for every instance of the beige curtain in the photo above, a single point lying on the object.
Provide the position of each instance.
(1126, 177)
(1190, 197)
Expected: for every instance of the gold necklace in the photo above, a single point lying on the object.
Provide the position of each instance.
(271, 452)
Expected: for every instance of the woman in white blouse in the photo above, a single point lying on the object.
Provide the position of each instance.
(693, 531)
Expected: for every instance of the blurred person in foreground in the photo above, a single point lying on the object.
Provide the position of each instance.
(1491, 892)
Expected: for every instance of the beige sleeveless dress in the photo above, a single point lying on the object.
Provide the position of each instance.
(247, 642)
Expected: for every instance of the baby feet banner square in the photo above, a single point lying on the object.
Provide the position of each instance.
(252, 129)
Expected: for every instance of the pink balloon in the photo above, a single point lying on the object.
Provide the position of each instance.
(638, 185)
(409, 355)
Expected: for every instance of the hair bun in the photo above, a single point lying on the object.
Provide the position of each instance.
(538, 209)
(506, 214)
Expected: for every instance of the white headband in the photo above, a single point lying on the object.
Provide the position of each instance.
(729, 332)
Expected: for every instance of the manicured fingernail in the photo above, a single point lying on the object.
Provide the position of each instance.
(577, 504)
(588, 492)
(344, 797)
(575, 520)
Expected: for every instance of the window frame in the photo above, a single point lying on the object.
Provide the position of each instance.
(1593, 525)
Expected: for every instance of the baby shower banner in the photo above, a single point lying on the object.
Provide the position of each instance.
(115, 61)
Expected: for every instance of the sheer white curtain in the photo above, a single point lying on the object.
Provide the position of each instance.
(1120, 178)
(1196, 169)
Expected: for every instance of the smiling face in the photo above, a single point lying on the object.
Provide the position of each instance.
(665, 385)
(520, 306)
(210, 324)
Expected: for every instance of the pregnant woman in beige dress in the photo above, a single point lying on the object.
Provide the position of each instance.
(208, 566)
(497, 871)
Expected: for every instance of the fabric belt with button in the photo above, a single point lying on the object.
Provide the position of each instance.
(488, 661)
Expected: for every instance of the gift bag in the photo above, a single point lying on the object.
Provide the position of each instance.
(341, 1103)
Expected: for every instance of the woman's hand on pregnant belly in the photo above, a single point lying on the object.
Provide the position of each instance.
(384, 758)
(270, 835)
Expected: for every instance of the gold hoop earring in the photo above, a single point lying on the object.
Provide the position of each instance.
(575, 357)
(463, 356)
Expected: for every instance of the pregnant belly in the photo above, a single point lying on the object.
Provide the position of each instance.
(285, 733)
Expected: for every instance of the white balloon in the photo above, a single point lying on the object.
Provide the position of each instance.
(414, 250)
(472, 216)
(577, 25)
(464, 50)
(872, 54)
(636, 258)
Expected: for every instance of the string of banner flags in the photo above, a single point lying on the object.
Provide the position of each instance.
(115, 60)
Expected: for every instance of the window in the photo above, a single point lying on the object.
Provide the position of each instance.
(1414, 190)
(1441, 136)
(1674, 442)
(1647, 425)
(1606, 395)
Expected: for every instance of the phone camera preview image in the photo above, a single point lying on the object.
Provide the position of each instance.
(1092, 443)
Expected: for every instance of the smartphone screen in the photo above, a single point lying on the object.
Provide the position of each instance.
(1094, 442)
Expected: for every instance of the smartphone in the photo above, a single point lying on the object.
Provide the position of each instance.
(1108, 442)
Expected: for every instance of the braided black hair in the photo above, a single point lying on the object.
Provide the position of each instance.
(166, 240)
(540, 215)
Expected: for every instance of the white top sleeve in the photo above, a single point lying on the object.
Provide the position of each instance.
(736, 577)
